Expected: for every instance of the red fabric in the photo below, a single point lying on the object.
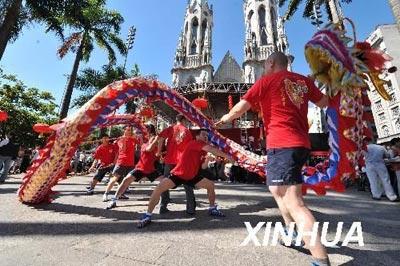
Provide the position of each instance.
(178, 137)
(126, 151)
(147, 160)
(283, 98)
(190, 163)
(105, 154)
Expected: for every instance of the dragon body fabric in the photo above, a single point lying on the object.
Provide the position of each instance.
(54, 158)
(345, 71)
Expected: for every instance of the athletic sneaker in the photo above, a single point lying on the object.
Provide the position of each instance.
(144, 221)
(105, 197)
(215, 211)
(292, 241)
(320, 262)
(123, 197)
(111, 205)
(90, 191)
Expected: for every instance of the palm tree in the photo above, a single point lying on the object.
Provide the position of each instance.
(15, 14)
(395, 5)
(94, 24)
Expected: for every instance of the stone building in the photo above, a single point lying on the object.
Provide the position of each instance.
(386, 113)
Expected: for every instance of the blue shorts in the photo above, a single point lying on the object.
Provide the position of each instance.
(284, 166)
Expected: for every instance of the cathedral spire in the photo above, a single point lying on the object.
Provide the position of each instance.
(265, 34)
(192, 62)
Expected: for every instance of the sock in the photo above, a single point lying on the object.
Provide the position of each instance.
(148, 214)
(287, 228)
(322, 262)
(114, 198)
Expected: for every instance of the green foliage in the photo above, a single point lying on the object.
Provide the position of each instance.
(25, 107)
(91, 81)
(92, 23)
(41, 11)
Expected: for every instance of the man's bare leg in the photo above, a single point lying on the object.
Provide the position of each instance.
(281, 205)
(121, 189)
(110, 185)
(129, 179)
(210, 187)
(293, 201)
(163, 186)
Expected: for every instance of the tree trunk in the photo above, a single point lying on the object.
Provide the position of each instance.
(395, 5)
(71, 82)
(7, 25)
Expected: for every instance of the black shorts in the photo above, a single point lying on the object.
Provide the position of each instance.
(138, 175)
(102, 171)
(191, 183)
(168, 168)
(121, 171)
(284, 166)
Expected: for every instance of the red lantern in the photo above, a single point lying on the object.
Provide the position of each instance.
(42, 128)
(200, 103)
(230, 102)
(3, 116)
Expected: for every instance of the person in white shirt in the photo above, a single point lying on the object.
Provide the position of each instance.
(395, 152)
(377, 171)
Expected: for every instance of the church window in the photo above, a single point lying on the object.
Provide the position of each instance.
(263, 28)
(195, 28)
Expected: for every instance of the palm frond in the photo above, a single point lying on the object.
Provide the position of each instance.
(72, 41)
(292, 8)
(102, 43)
(87, 48)
(118, 42)
(309, 8)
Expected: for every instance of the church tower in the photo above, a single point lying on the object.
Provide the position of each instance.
(192, 62)
(265, 34)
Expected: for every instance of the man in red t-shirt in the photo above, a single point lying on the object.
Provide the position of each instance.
(177, 137)
(144, 168)
(104, 158)
(188, 172)
(125, 159)
(283, 98)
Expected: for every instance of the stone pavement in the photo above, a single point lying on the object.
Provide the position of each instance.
(77, 230)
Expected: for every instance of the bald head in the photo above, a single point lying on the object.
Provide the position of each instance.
(279, 58)
(277, 61)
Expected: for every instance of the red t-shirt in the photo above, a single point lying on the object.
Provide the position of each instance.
(283, 98)
(190, 163)
(105, 154)
(178, 137)
(126, 151)
(147, 160)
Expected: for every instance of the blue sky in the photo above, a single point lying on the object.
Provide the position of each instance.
(33, 56)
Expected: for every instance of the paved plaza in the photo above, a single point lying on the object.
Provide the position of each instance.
(75, 229)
